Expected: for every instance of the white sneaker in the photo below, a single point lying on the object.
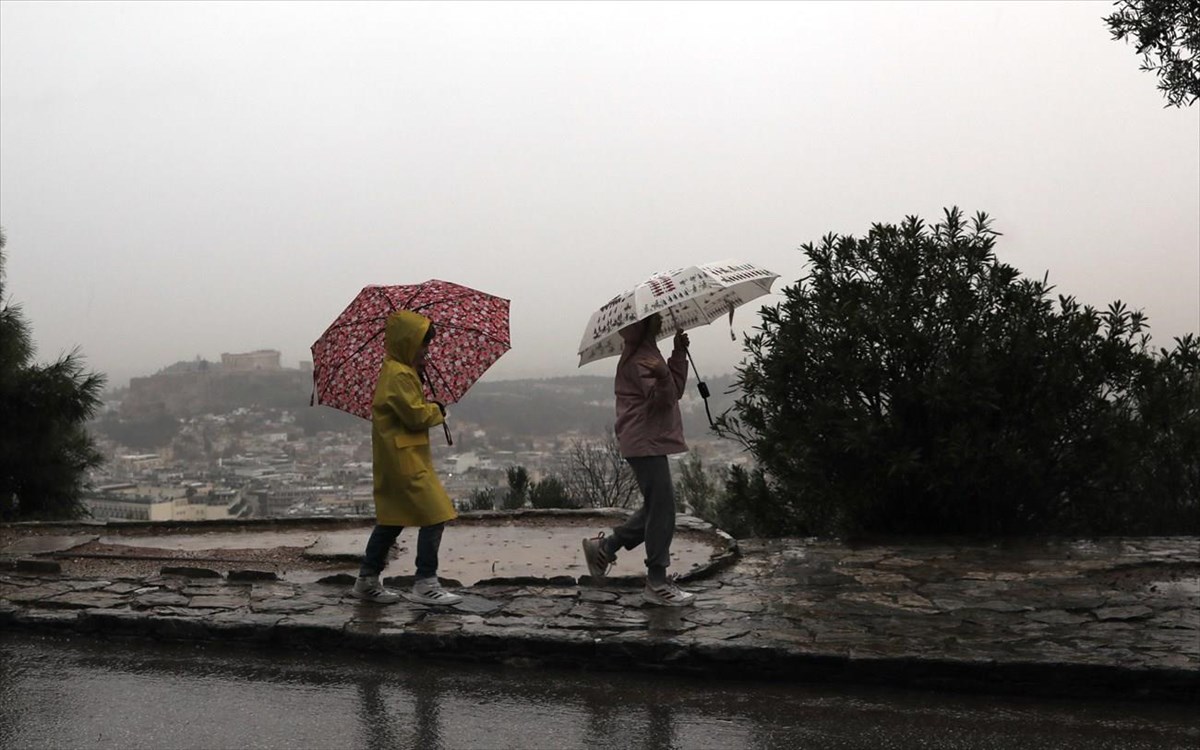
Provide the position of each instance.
(430, 591)
(667, 595)
(369, 589)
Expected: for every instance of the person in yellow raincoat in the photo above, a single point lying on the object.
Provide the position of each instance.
(407, 490)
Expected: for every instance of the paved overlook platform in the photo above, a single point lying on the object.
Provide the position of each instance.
(1117, 618)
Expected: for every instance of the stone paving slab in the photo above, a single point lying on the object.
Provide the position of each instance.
(40, 545)
(480, 546)
(1115, 618)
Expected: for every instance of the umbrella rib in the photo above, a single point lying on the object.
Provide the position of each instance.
(442, 300)
(355, 322)
(480, 331)
(422, 290)
(436, 372)
(335, 368)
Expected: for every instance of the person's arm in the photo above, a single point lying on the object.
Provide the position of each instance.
(407, 400)
(657, 383)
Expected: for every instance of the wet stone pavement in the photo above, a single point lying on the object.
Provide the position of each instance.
(1115, 617)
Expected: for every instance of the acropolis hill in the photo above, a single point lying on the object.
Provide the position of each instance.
(199, 386)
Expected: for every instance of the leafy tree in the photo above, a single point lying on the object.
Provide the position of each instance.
(695, 490)
(912, 383)
(482, 499)
(550, 493)
(45, 450)
(749, 506)
(518, 487)
(1166, 435)
(1167, 34)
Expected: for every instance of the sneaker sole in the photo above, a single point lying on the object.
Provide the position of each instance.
(373, 600)
(421, 600)
(672, 605)
(664, 603)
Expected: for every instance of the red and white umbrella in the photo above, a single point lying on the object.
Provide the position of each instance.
(686, 298)
(472, 333)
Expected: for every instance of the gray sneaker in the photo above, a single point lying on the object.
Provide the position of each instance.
(667, 595)
(369, 589)
(430, 591)
(598, 561)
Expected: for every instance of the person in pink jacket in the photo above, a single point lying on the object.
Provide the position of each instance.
(649, 428)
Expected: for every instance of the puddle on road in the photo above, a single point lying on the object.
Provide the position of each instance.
(470, 552)
(1182, 587)
(216, 540)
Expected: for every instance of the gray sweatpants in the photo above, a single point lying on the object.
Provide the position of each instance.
(654, 522)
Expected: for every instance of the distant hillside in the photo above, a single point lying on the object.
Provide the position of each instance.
(519, 408)
(550, 406)
(212, 390)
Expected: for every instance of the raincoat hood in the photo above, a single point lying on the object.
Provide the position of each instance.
(636, 339)
(635, 332)
(403, 335)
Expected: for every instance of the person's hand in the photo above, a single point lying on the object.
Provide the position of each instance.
(441, 407)
(681, 341)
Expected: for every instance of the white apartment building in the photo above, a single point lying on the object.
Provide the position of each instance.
(134, 502)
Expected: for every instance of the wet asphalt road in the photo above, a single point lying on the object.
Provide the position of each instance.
(58, 692)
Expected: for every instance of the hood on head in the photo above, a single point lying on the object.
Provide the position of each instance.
(403, 335)
(635, 332)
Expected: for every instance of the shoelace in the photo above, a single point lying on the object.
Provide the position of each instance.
(435, 592)
(603, 556)
(669, 589)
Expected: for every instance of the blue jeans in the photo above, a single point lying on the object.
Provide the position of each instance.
(429, 540)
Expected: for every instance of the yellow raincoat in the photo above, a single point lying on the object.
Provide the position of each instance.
(407, 490)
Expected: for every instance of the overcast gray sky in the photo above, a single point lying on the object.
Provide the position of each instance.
(182, 179)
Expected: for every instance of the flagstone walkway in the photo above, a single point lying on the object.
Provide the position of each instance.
(1116, 617)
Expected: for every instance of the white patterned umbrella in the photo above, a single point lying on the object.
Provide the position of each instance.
(687, 298)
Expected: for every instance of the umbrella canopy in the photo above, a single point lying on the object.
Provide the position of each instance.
(472, 333)
(687, 298)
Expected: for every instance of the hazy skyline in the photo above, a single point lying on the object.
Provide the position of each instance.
(186, 179)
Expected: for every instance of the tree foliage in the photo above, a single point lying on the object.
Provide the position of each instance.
(912, 383)
(1167, 36)
(696, 491)
(550, 492)
(518, 487)
(45, 450)
(482, 499)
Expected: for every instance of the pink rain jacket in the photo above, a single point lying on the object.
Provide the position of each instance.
(648, 420)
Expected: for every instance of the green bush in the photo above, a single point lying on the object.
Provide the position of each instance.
(518, 487)
(482, 499)
(550, 493)
(912, 383)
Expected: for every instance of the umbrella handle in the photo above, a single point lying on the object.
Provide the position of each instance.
(445, 427)
(702, 387)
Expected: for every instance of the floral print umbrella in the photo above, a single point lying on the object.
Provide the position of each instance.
(472, 333)
(686, 297)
